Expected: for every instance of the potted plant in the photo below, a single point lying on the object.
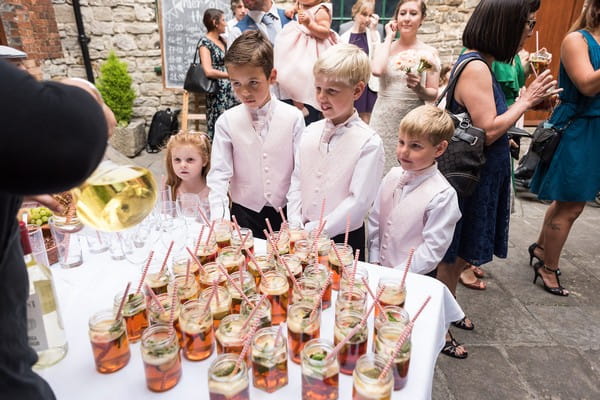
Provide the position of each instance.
(114, 83)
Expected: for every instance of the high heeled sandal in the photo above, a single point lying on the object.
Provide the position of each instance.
(557, 291)
(531, 250)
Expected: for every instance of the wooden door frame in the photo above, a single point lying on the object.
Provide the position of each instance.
(549, 11)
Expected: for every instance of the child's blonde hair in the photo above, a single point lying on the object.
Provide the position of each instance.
(361, 5)
(428, 121)
(200, 141)
(345, 63)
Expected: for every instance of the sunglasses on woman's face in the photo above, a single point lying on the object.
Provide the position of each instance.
(531, 24)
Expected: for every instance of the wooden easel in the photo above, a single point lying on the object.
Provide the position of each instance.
(185, 114)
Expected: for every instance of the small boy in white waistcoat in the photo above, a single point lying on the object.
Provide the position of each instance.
(255, 142)
(340, 158)
(415, 208)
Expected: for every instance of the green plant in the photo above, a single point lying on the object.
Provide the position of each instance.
(114, 83)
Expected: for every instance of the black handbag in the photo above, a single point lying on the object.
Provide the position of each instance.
(462, 161)
(545, 141)
(195, 78)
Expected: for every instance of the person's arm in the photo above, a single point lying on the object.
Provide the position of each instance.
(363, 189)
(382, 51)
(474, 90)
(221, 170)
(54, 135)
(373, 229)
(319, 26)
(441, 216)
(576, 60)
(209, 71)
(294, 196)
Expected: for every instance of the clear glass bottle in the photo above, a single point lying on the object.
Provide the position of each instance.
(45, 331)
(269, 360)
(320, 375)
(367, 385)
(227, 382)
(161, 357)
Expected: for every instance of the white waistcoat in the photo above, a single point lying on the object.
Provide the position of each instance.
(262, 168)
(401, 227)
(328, 174)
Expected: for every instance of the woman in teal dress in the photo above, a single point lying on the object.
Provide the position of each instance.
(573, 175)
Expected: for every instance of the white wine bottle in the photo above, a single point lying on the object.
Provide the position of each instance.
(45, 330)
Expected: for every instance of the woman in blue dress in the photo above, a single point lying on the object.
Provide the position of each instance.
(573, 175)
(482, 232)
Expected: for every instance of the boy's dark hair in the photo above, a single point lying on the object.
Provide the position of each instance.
(496, 28)
(251, 48)
(211, 18)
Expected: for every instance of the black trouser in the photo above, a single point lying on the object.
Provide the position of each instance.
(356, 239)
(255, 221)
(313, 113)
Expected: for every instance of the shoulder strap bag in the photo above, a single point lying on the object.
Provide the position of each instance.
(196, 80)
(462, 160)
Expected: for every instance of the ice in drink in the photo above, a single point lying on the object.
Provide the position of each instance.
(320, 273)
(262, 315)
(207, 252)
(390, 315)
(320, 375)
(157, 315)
(387, 336)
(308, 290)
(197, 330)
(162, 361)
(269, 360)
(236, 241)
(109, 342)
(361, 272)
(293, 263)
(302, 250)
(265, 263)
(394, 293)
(302, 327)
(366, 382)
(225, 382)
(323, 245)
(187, 289)
(134, 313)
(350, 300)
(220, 305)
(231, 259)
(211, 273)
(336, 265)
(296, 233)
(157, 278)
(179, 266)
(356, 346)
(276, 287)
(247, 285)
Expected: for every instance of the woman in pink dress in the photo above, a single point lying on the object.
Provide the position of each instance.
(298, 46)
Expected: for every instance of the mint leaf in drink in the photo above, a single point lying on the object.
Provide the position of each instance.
(320, 356)
(391, 318)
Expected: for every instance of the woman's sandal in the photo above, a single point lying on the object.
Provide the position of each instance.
(478, 272)
(451, 348)
(464, 323)
(477, 285)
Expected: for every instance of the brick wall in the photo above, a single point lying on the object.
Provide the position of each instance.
(30, 25)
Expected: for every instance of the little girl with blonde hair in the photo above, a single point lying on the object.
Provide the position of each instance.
(188, 162)
(297, 48)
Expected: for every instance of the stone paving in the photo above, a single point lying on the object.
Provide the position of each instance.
(527, 344)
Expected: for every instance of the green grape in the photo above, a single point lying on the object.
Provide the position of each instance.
(44, 219)
(38, 222)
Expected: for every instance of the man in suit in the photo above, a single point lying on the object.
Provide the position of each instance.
(262, 15)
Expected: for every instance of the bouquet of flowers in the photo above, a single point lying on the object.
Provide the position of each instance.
(418, 61)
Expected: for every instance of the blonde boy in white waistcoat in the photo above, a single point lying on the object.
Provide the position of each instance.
(415, 208)
(255, 142)
(340, 158)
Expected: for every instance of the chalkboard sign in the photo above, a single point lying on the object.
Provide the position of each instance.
(181, 26)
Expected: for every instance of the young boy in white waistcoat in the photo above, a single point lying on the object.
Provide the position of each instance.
(340, 158)
(255, 142)
(415, 208)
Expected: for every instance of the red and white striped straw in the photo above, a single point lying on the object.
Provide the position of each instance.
(322, 214)
(254, 310)
(196, 260)
(408, 261)
(279, 336)
(144, 272)
(321, 293)
(282, 215)
(232, 282)
(210, 231)
(154, 297)
(337, 253)
(247, 343)
(353, 272)
(403, 337)
(122, 303)
(271, 231)
(199, 240)
(164, 264)
(215, 288)
(377, 303)
(187, 273)
(173, 304)
(347, 230)
(203, 216)
(262, 274)
(210, 296)
(359, 326)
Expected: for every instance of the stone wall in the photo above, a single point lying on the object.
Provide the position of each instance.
(130, 28)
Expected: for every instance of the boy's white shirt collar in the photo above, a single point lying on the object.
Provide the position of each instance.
(411, 179)
(330, 128)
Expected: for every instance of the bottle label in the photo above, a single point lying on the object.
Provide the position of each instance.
(44, 289)
(36, 333)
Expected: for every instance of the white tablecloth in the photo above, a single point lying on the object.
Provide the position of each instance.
(92, 287)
